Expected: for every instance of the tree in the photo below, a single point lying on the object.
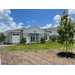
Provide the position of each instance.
(2, 37)
(22, 40)
(65, 29)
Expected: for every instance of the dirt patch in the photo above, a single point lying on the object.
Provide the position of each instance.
(43, 57)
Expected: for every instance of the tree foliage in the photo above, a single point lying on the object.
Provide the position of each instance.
(2, 37)
(65, 29)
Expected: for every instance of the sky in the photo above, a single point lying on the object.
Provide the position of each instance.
(19, 18)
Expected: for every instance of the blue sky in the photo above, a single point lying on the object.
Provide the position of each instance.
(18, 18)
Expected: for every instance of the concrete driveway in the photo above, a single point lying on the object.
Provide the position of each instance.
(5, 45)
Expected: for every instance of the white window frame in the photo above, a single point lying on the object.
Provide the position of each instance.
(47, 37)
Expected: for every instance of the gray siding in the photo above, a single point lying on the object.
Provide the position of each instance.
(9, 38)
(21, 35)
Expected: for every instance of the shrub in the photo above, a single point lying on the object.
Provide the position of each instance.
(42, 40)
(53, 39)
(22, 40)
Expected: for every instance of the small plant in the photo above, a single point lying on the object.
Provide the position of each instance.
(42, 40)
(22, 40)
(25, 59)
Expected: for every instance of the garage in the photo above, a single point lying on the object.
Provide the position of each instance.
(15, 37)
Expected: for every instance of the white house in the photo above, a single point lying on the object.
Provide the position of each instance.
(32, 35)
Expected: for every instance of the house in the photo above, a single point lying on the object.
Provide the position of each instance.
(52, 32)
(32, 35)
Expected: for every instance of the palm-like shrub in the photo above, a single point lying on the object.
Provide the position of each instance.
(22, 40)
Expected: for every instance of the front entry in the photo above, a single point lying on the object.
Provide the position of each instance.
(33, 38)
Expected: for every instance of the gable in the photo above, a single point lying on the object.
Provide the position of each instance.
(33, 29)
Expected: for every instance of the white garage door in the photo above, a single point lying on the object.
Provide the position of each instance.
(15, 37)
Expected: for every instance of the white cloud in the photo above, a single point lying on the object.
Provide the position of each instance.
(16, 26)
(4, 15)
(47, 26)
(10, 24)
(26, 17)
(71, 11)
(27, 26)
(57, 22)
(20, 25)
(4, 27)
(33, 21)
(57, 17)
(56, 25)
(13, 25)
(28, 22)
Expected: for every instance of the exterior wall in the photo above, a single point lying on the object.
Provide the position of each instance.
(26, 35)
(21, 35)
(40, 35)
(54, 32)
(31, 30)
(8, 38)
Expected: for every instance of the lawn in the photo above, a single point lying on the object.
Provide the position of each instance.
(38, 46)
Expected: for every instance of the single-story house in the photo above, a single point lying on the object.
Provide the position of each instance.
(32, 35)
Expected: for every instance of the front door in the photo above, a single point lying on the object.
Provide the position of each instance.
(34, 38)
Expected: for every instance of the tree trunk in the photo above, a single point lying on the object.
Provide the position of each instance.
(66, 48)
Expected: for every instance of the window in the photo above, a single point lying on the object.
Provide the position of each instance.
(34, 31)
(50, 31)
(45, 35)
(13, 34)
(17, 34)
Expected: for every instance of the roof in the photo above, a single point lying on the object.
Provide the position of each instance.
(48, 29)
(19, 30)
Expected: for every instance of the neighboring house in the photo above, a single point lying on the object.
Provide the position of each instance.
(52, 32)
(32, 35)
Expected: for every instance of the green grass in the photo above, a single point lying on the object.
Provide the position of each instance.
(37, 46)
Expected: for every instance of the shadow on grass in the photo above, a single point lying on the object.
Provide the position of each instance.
(63, 54)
